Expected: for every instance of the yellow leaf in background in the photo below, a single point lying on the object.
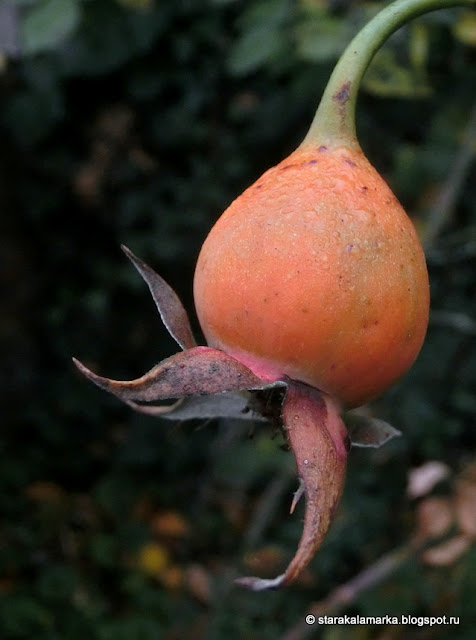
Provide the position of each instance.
(322, 4)
(7, 585)
(388, 78)
(198, 583)
(153, 559)
(44, 491)
(464, 29)
(136, 4)
(169, 524)
(265, 560)
(418, 45)
(172, 577)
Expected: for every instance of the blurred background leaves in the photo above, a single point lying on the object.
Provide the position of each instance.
(137, 122)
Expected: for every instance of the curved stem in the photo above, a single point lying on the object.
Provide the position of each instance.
(334, 122)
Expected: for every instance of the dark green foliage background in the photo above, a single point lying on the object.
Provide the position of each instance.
(137, 123)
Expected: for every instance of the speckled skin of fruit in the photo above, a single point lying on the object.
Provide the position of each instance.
(316, 273)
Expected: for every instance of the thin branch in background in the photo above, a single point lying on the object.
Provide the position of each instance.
(266, 507)
(346, 593)
(443, 209)
(445, 528)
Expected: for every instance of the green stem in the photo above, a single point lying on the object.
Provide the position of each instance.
(334, 122)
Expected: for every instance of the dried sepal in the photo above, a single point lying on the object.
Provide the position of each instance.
(369, 432)
(236, 405)
(193, 372)
(320, 443)
(208, 383)
(156, 410)
(168, 304)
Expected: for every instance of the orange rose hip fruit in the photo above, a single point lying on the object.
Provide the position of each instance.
(316, 273)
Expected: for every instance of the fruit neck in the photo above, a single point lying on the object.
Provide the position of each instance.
(334, 122)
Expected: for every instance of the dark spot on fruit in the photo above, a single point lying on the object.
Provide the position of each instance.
(343, 94)
(287, 166)
(364, 189)
(349, 248)
(311, 162)
(322, 149)
(258, 186)
(350, 162)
